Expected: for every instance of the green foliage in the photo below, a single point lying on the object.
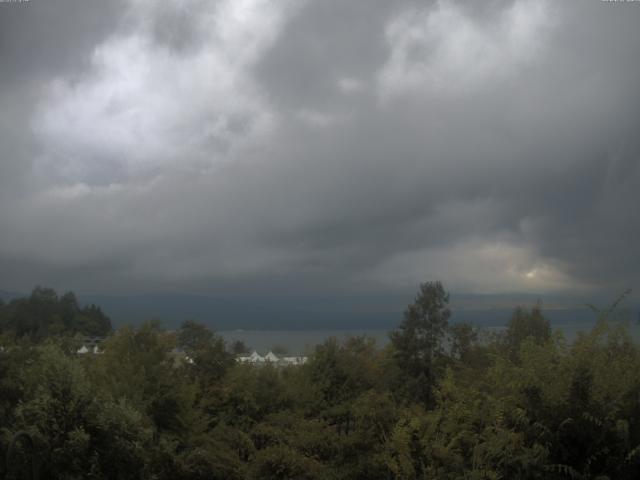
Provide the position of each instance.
(248, 395)
(341, 372)
(526, 324)
(44, 313)
(206, 353)
(83, 431)
(464, 341)
(418, 341)
(281, 462)
(440, 401)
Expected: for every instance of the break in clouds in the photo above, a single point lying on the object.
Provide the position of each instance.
(323, 145)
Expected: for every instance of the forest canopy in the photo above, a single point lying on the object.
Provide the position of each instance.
(441, 400)
(44, 313)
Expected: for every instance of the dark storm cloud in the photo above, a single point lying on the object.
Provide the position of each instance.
(324, 42)
(328, 146)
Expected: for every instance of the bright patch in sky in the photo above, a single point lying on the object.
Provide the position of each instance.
(143, 105)
(443, 49)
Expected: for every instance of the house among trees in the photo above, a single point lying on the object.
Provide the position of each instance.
(256, 359)
(90, 344)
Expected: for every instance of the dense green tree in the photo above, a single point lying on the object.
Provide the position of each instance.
(418, 341)
(282, 463)
(43, 313)
(194, 336)
(343, 371)
(438, 402)
(206, 353)
(83, 432)
(139, 365)
(525, 324)
(463, 338)
(249, 394)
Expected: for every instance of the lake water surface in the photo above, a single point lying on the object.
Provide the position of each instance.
(569, 321)
(303, 341)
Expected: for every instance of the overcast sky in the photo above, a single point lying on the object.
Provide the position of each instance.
(308, 147)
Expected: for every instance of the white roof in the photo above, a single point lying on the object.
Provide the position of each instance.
(271, 357)
(255, 357)
(295, 360)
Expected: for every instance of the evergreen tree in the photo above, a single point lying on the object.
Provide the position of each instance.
(418, 341)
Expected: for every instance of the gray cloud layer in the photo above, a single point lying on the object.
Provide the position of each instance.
(319, 146)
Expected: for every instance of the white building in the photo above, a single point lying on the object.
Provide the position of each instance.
(253, 358)
(256, 359)
(271, 357)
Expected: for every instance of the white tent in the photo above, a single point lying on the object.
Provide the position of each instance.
(256, 358)
(271, 357)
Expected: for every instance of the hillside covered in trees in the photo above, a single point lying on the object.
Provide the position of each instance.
(441, 401)
(44, 313)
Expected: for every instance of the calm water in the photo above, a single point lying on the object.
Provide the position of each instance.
(303, 341)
